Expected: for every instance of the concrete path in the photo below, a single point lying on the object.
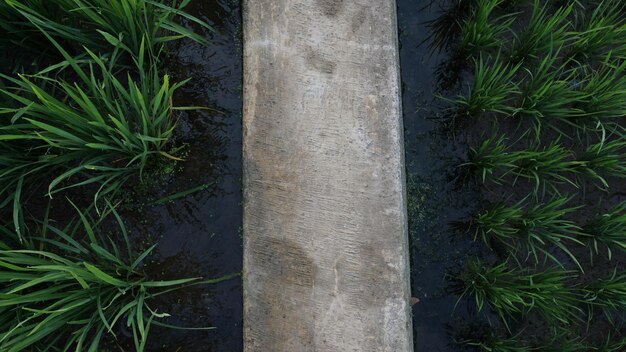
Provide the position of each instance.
(325, 234)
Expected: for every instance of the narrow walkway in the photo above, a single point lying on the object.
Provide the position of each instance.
(325, 234)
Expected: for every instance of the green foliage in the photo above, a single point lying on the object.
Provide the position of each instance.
(601, 93)
(608, 294)
(102, 25)
(546, 95)
(490, 158)
(608, 229)
(512, 293)
(543, 32)
(101, 131)
(481, 32)
(599, 34)
(605, 158)
(492, 89)
(534, 227)
(549, 165)
(71, 292)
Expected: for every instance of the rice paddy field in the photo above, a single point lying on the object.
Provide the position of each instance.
(515, 149)
(120, 174)
(120, 169)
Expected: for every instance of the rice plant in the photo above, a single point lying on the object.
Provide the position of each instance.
(490, 158)
(100, 132)
(102, 25)
(547, 166)
(611, 345)
(600, 33)
(482, 32)
(552, 163)
(512, 293)
(605, 158)
(492, 90)
(543, 32)
(608, 229)
(73, 292)
(601, 94)
(535, 228)
(608, 294)
(546, 95)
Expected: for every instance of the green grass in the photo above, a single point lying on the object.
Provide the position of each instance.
(491, 91)
(549, 166)
(547, 98)
(602, 92)
(103, 25)
(88, 105)
(612, 345)
(543, 32)
(607, 294)
(608, 230)
(599, 32)
(605, 158)
(512, 293)
(531, 229)
(69, 292)
(553, 164)
(17, 32)
(101, 131)
(483, 31)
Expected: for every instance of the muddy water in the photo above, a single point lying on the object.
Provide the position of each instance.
(199, 235)
(437, 197)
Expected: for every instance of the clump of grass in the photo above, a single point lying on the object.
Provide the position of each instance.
(547, 96)
(601, 93)
(490, 158)
(532, 227)
(480, 32)
(492, 90)
(70, 294)
(607, 294)
(550, 165)
(102, 131)
(600, 33)
(102, 25)
(512, 293)
(543, 32)
(612, 345)
(608, 229)
(605, 158)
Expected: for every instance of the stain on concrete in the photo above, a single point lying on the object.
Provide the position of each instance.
(317, 62)
(286, 259)
(330, 7)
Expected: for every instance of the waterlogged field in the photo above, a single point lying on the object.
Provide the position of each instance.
(120, 175)
(516, 156)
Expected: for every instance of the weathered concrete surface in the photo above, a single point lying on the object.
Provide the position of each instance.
(325, 236)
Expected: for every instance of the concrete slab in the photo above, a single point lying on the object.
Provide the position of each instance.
(325, 234)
